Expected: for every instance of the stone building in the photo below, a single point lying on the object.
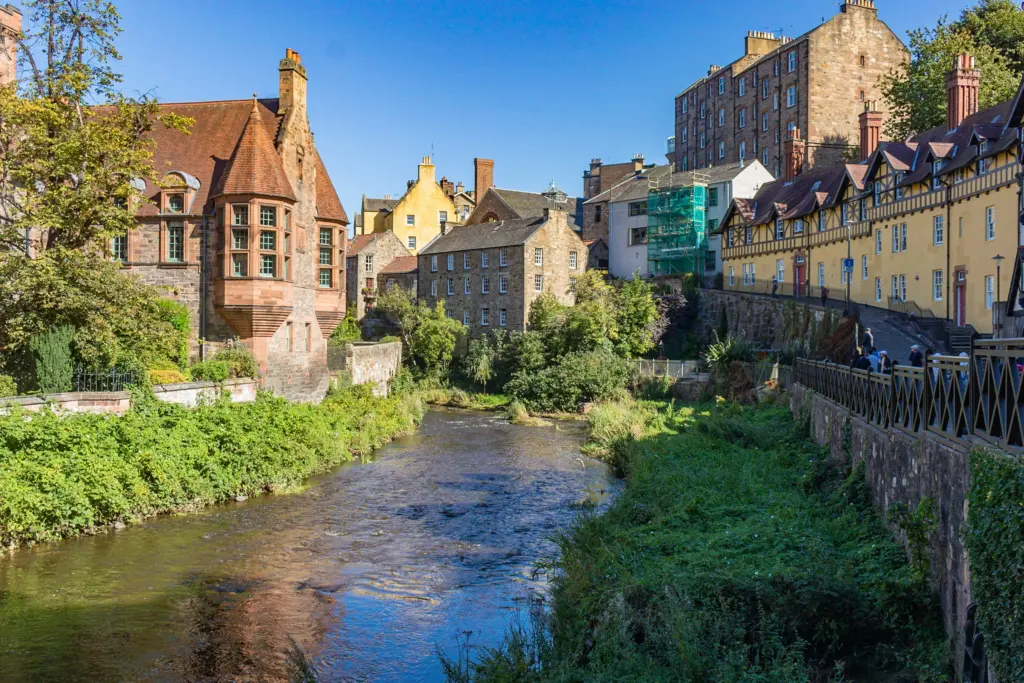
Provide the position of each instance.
(10, 29)
(368, 256)
(401, 272)
(245, 228)
(488, 274)
(817, 83)
(597, 183)
(924, 220)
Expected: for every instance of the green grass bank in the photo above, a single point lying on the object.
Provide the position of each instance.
(735, 553)
(62, 476)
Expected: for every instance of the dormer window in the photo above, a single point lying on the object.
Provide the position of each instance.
(877, 196)
(821, 220)
(936, 169)
(779, 229)
(175, 203)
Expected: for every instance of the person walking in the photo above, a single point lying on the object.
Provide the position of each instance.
(916, 357)
(824, 297)
(886, 363)
(775, 285)
(875, 360)
(861, 362)
(869, 340)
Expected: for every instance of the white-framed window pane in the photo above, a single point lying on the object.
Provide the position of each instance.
(465, 260)
(502, 258)
(989, 291)
(538, 283)
(821, 274)
(433, 264)
(326, 237)
(937, 285)
(240, 214)
(878, 241)
(465, 285)
(175, 242)
(732, 277)
(485, 317)
(240, 265)
(503, 284)
(433, 288)
(325, 279)
(411, 241)
(451, 261)
(938, 231)
(268, 240)
(326, 256)
(485, 259)
(465, 318)
(268, 216)
(451, 286)
(990, 223)
(538, 257)
(176, 203)
(485, 285)
(442, 216)
(878, 289)
(119, 248)
(368, 263)
(572, 260)
(410, 220)
(268, 265)
(503, 318)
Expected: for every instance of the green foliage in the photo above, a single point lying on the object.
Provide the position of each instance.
(918, 526)
(239, 360)
(54, 364)
(177, 316)
(428, 335)
(60, 476)
(995, 543)
(991, 30)
(478, 365)
(576, 379)
(166, 377)
(636, 312)
(210, 371)
(720, 355)
(389, 338)
(8, 387)
(348, 331)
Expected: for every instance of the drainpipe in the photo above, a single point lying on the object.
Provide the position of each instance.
(949, 240)
(203, 284)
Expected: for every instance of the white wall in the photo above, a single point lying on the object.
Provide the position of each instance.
(624, 260)
(744, 186)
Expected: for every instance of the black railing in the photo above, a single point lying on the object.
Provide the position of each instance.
(955, 397)
(87, 379)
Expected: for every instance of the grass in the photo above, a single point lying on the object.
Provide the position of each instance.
(455, 397)
(737, 552)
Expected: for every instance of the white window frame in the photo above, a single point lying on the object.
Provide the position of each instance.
(938, 230)
(721, 85)
(743, 150)
(878, 241)
(765, 86)
(821, 274)
(878, 289)
(538, 283)
(573, 259)
(485, 259)
(433, 264)
(990, 223)
(485, 285)
(503, 284)
(451, 286)
(410, 219)
(538, 256)
(775, 102)
(791, 97)
(743, 86)
(451, 262)
(433, 288)
(721, 117)
(792, 61)
(937, 285)
(721, 150)
(502, 257)
(465, 261)
(502, 317)
(466, 285)
(746, 274)
(864, 267)
(743, 118)
(466, 317)
(485, 317)
(780, 271)
(896, 238)
(732, 276)
(411, 241)
(990, 292)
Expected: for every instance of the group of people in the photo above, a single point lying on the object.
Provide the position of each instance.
(868, 357)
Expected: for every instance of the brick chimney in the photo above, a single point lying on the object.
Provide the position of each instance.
(870, 130)
(962, 85)
(10, 28)
(293, 82)
(793, 154)
(483, 171)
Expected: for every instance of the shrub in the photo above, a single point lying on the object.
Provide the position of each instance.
(8, 387)
(578, 378)
(166, 377)
(720, 355)
(53, 360)
(177, 316)
(388, 339)
(239, 359)
(347, 331)
(210, 371)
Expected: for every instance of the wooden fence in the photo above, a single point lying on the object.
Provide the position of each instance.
(955, 397)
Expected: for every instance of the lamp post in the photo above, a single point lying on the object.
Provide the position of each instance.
(998, 258)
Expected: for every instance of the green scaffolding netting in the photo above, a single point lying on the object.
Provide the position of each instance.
(677, 230)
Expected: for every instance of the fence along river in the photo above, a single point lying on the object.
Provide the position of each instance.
(369, 569)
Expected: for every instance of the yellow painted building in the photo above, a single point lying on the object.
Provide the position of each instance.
(921, 220)
(417, 217)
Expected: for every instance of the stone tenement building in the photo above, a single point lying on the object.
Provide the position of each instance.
(925, 221)
(245, 228)
(597, 183)
(817, 83)
(488, 274)
(368, 255)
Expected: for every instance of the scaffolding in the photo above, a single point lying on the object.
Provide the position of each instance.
(677, 240)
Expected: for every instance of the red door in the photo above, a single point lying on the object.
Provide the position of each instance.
(961, 304)
(801, 278)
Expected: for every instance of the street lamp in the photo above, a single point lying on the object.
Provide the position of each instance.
(998, 258)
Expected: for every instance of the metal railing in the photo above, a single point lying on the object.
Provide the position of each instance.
(909, 307)
(86, 379)
(955, 397)
(666, 368)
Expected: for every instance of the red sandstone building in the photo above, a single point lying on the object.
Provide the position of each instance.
(246, 229)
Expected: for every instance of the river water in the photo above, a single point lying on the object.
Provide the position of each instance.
(370, 569)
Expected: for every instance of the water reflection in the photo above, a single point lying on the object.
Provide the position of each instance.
(368, 569)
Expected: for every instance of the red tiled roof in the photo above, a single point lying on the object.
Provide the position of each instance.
(402, 264)
(360, 242)
(254, 166)
(328, 206)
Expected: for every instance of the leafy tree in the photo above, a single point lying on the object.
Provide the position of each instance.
(428, 335)
(478, 365)
(348, 330)
(915, 92)
(637, 312)
(54, 364)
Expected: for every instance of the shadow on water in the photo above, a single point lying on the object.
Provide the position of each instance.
(367, 570)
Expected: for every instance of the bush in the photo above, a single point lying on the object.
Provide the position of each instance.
(8, 387)
(177, 316)
(347, 331)
(578, 378)
(53, 360)
(721, 355)
(239, 360)
(389, 339)
(210, 371)
(166, 377)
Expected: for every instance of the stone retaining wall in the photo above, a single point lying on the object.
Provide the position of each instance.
(367, 363)
(119, 402)
(762, 320)
(191, 393)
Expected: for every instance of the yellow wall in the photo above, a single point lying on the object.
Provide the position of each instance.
(424, 201)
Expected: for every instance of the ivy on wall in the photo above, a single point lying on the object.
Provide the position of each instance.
(995, 543)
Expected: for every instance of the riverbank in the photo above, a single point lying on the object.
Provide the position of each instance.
(74, 474)
(736, 552)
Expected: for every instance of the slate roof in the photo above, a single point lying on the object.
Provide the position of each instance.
(485, 235)
(401, 265)
(532, 204)
(254, 166)
(379, 204)
(636, 187)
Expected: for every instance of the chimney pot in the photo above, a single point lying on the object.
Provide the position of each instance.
(962, 85)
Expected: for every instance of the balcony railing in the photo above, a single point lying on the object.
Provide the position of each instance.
(954, 397)
(993, 179)
(918, 202)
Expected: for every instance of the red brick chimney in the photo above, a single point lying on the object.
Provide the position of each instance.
(483, 170)
(962, 85)
(794, 150)
(870, 130)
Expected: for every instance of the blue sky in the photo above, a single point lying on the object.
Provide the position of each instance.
(540, 87)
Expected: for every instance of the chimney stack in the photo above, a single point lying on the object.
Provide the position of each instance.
(425, 171)
(962, 85)
(793, 154)
(638, 163)
(459, 187)
(292, 81)
(870, 130)
(483, 171)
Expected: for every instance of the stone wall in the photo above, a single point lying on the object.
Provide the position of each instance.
(119, 402)
(191, 393)
(367, 363)
(907, 468)
(762, 320)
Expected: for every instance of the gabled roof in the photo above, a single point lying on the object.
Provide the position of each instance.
(636, 187)
(360, 242)
(379, 204)
(485, 235)
(532, 204)
(254, 167)
(800, 197)
(401, 264)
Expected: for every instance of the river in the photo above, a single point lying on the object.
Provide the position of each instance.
(369, 569)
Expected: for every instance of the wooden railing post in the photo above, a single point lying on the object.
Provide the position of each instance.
(926, 399)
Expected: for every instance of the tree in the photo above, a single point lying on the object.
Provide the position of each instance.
(54, 365)
(915, 92)
(478, 365)
(637, 313)
(428, 334)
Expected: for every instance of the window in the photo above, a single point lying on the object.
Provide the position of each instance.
(538, 283)
(721, 150)
(268, 240)
(903, 288)
(877, 193)
(821, 220)
(503, 284)
(863, 60)
(798, 226)
(175, 203)
(465, 260)
(863, 210)
(176, 241)
(268, 265)
(485, 259)
(938, 232)
(721, 85)
(791, 97)
(502, 318)
(240, 265)
(451, 286)
(776, 67)
(743, 118)
(326, 256)
(433, 264)
(895, 239)
(703, 140)
(433, 288)
(465, 318)
(502, 258)
(864, 267)
(449, 313)
(936, 169)
(368, 263)
(240, 214)
(764, 122)
(743, 150)
(746, 274)
(685, 103)
(485, 317)
(750, 235)
(268, 216)
(289, 337)
(983, 165)
(410, 219)
(792, 61)
(821, 274)
(764, 89)
(637, 236)
(937, 285)
(325, 279)
(712, 196)
(703, 110)
(743, 86)
(732, 277)
(485, 285)
(764, 157)
(465, 285)
(903, 237)
(119, 248)
(780, 228)
(325, 237)
(638, 208)
(721, 117)
(776, 136)
(753, 276)
(572, 260)
(989, 292)
(843, 219)
(451, 262)
(780, 270)
(538, 257)
(878, 289)
(895, 288)
(411, 241)
(442, 216)
(990, 223)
